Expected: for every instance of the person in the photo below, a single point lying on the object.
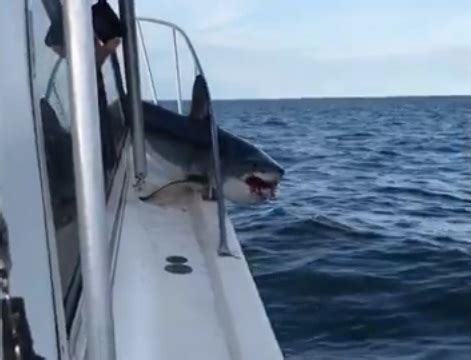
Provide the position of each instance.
(107, 37)
(103, 47)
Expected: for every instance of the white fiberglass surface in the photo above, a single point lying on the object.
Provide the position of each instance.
(212, 312)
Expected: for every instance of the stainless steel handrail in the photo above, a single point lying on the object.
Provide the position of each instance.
(146, 60)
(131, 67)
(89, 177)
(224, 249)
(52, 78)
(177, 70)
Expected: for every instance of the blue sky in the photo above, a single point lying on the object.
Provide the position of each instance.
(308, 48)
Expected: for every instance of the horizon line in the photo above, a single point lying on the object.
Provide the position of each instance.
(349, 97)
(355, 97)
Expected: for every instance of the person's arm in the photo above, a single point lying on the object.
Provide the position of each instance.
(101, 15)
(102, 51)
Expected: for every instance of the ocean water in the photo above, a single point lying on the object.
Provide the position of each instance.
(366, 253)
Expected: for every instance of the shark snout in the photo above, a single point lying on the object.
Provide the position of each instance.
(281, 171)
(277, 169)
(255, 184)
(274, 171)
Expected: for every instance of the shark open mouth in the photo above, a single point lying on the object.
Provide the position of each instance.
(263, 188)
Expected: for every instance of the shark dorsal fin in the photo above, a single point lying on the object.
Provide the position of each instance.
(200, 99)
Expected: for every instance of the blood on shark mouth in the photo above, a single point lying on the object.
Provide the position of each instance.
(261, 187)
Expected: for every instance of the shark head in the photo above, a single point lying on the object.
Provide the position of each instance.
(250, 176)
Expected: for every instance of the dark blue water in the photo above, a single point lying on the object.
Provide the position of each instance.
(366, 254)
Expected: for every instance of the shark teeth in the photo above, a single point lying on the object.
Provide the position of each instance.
(268, 177)
(265, 186)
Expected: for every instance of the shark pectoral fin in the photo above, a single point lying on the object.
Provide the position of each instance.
(175, 191)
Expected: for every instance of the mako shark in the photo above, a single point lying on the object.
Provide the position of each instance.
(249, 175)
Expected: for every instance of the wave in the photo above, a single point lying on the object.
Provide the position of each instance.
(391, 153)
(421, 193)
(275, 121)
(322, 226)
(306, 281)
(351, 260)
(353, 136)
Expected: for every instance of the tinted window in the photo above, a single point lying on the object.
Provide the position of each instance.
(111, 116)
(111, 93)
(50, 84)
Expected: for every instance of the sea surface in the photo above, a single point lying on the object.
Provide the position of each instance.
(366, 253)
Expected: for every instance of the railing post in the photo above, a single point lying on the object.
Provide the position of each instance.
(177, 70)
(223, 246)
(224, 249)
(146, 59)
(89, 179)
(131, 65)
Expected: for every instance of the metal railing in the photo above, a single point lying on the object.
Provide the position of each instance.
(89, 177)
(224, 249)
(131, 68)
(146, 59)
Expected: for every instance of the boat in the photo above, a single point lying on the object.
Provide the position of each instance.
(87, 269)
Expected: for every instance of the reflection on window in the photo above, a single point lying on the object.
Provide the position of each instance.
(51, 96)
(112, 125)
(50, 80)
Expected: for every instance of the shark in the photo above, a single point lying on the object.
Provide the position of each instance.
(249, 175)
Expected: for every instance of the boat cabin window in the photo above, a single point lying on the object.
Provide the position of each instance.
(51, 97)
(111, 93)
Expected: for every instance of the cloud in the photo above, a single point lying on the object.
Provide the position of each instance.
(274, 48)
(201, 15)
(276, 75)
(225, 13)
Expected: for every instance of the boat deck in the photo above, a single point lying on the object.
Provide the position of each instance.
(210, 311)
